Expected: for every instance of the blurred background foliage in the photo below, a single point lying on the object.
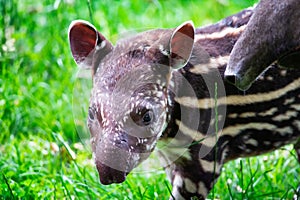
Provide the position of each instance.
(41, 154)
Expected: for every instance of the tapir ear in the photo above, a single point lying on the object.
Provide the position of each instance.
(88, 46)
(181, 45)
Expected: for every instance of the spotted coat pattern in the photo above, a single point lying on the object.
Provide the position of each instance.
(166, 86)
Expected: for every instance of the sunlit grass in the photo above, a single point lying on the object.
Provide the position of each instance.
(271, 176)
(41, 155)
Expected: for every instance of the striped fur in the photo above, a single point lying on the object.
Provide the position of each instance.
(135, 86)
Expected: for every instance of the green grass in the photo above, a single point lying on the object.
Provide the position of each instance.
(41, 154)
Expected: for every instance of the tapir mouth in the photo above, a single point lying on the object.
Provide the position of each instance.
(109, 175)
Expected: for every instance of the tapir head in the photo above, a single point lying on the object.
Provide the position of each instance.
(129, 103)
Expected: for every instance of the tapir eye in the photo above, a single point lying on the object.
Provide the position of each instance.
(147, 117)
(142, 116)
(91, 113)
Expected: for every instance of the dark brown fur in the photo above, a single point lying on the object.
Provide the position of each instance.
(150, 74)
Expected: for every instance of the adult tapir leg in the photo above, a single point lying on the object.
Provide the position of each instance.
(272, 33)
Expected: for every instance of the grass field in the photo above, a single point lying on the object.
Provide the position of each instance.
(42, 155)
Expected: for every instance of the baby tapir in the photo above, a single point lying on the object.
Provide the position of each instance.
(164, 88)
(272, 34)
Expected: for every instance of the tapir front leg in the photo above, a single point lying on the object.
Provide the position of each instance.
(191, 177)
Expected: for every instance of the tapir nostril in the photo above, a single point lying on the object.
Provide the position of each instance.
(121, 141)
(231, 79)
(124, 138)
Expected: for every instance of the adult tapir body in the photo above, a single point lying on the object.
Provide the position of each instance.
(272, 35)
